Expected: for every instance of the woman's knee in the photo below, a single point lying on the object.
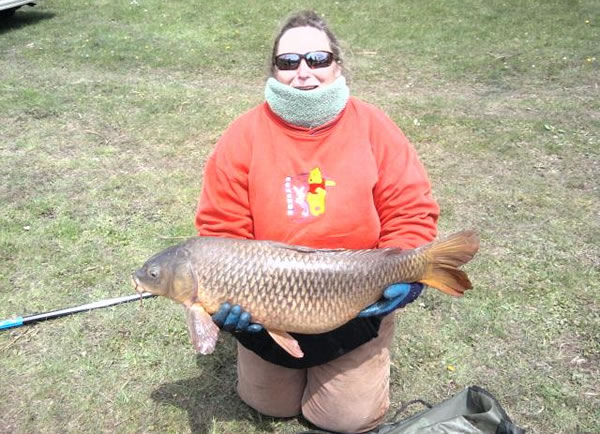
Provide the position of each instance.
(270, 405)
(360, 417)
(269, 389)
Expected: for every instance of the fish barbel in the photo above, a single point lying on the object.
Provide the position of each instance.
(290, 288)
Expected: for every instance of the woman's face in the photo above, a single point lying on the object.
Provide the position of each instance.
(301, 40)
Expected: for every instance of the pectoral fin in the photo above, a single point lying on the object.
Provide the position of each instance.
(287, 342)
(202, 330)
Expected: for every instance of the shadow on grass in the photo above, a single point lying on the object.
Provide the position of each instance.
(23, 19)
(211, 397)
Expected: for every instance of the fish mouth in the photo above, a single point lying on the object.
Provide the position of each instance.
(137, 285)
(139, 288)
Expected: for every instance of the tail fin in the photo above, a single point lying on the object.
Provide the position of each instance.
(445, 256)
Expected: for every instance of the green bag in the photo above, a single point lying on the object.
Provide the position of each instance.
(472, 411)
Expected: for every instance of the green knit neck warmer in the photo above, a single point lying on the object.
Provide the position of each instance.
(307, 108)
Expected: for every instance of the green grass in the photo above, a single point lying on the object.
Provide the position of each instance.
(108, 111)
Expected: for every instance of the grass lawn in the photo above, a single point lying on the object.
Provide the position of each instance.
(109, 109)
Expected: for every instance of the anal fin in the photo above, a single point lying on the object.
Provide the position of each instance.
(202, 330)
(287, 342)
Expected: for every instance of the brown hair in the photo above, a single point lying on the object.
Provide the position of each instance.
(307, 18)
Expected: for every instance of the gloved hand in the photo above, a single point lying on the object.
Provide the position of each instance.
(395, 296)
(234, 318)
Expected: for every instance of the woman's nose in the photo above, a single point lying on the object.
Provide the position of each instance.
(303, 69)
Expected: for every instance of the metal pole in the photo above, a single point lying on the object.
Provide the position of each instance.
(19, 321)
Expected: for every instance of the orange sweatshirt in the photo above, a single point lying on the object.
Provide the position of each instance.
(354, 183)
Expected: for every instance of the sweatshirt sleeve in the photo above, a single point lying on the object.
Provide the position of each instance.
(403, 198)
(224, 208)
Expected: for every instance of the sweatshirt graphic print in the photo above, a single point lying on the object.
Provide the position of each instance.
(306, 194)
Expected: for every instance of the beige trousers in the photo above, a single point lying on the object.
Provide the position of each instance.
(349, 394)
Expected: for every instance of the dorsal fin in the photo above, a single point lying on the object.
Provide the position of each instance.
(346, 252)
(302, 249)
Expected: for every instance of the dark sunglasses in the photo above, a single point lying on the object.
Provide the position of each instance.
(314, 59)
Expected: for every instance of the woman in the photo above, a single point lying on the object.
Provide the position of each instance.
(313, 166)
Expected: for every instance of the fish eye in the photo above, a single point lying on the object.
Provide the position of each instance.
(153, 272)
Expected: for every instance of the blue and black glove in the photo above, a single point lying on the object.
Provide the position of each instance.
(234, 318)
(394, 297)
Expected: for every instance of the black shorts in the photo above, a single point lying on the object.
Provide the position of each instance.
(318, 349)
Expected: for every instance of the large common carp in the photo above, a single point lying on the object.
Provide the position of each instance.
(291, 288)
